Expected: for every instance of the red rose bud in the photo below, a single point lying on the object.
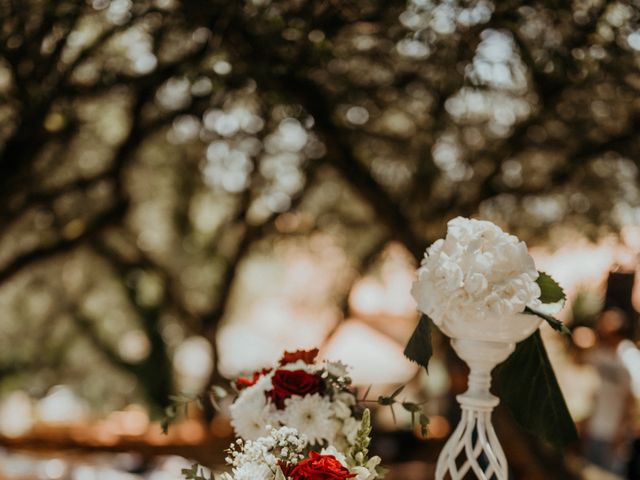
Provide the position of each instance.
(320, 467)
(287, 383)
(244, 382)
(307, 356)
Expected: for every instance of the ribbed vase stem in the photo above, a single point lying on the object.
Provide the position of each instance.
(473, 445)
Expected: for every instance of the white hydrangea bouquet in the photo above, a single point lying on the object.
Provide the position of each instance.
(480, 286)
(285, 454)
(476, 277)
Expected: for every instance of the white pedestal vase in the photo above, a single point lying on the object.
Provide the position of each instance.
(473, 445)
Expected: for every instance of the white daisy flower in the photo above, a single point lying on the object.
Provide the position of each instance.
(311, 415)
(251, 413)
(253, 471)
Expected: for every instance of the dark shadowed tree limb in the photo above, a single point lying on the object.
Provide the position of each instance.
(93, 227)
(144, 262)
(341, 156)
(138, 132)
(87, 327)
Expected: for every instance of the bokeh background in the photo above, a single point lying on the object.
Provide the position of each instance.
(190, 187)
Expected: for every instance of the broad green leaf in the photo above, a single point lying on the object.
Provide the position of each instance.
(550, 290)
(551, 320)
(419, 348)
(528, 387)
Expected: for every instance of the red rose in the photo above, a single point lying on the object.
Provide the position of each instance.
(320, 467)
(244, 382)
(287, 383)
(308, 356)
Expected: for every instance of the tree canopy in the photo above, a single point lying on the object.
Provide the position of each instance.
(147, 148)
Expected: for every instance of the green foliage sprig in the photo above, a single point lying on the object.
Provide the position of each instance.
(196, 472)
(413, 408)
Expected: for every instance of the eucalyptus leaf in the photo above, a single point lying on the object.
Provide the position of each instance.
(397, 392)
(419, 348)
(528, 387)
(411, 407)
(550, 290)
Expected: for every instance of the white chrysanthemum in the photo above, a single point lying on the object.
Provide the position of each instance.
(348, 398)
(253, 471)
(311, 415)
(341, 410)
(476, 272)
(250, 421)
(251, 413)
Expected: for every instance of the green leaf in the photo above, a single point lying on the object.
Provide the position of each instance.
(528, 387)
(411, 407)
(424, 425)
(419, 348)
(195, 473)
(550, 290)
(551, 320)
(170, 414)
(397, 392)
(385, 401)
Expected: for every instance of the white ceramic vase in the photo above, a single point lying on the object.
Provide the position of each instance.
(473, 445)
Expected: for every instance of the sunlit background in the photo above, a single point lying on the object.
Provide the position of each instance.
(189, 188)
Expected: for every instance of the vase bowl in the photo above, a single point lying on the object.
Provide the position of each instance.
(511, 329)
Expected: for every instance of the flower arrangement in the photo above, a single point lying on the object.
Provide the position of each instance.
(285, 454)
(298, 420)
(480, 283)
(315, 399)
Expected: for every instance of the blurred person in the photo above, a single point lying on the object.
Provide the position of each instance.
(609, 429)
